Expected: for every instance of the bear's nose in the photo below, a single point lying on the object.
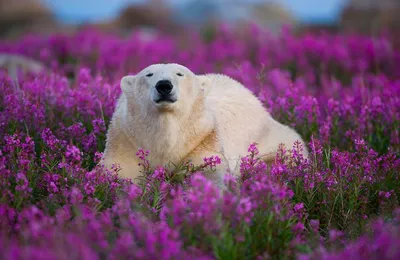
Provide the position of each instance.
(164, 87)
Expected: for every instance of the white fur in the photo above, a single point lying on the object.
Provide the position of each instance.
(177, 131)
(242, 119)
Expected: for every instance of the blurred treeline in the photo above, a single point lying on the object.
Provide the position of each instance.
(18, 17)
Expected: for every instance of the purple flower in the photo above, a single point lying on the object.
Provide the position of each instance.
(212, 161)
(73, 153)
(340, 92)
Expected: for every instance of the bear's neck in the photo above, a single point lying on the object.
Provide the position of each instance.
(170, 137)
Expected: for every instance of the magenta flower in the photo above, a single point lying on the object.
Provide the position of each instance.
(340, 92)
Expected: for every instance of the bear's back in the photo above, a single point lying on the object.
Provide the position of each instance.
(238, 113)
(227, 94)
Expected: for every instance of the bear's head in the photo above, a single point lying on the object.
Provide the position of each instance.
(163, 88)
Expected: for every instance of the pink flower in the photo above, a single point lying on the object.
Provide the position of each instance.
(212, 161)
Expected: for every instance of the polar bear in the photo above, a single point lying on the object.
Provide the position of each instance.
(181, 116)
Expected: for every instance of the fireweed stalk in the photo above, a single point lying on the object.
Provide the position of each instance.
(340, 92)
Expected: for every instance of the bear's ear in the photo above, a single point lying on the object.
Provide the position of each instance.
(128, 84)
(205, 83)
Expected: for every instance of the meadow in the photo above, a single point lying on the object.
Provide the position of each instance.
(340, 92)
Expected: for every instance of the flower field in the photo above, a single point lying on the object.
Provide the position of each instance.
(340, 92)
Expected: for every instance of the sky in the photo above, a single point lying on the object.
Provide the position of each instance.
(77, 11)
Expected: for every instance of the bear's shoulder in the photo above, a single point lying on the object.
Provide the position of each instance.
(220, 79)
(221, 85)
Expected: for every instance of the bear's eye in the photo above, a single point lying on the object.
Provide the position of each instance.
(179, 74)
(149, 75)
